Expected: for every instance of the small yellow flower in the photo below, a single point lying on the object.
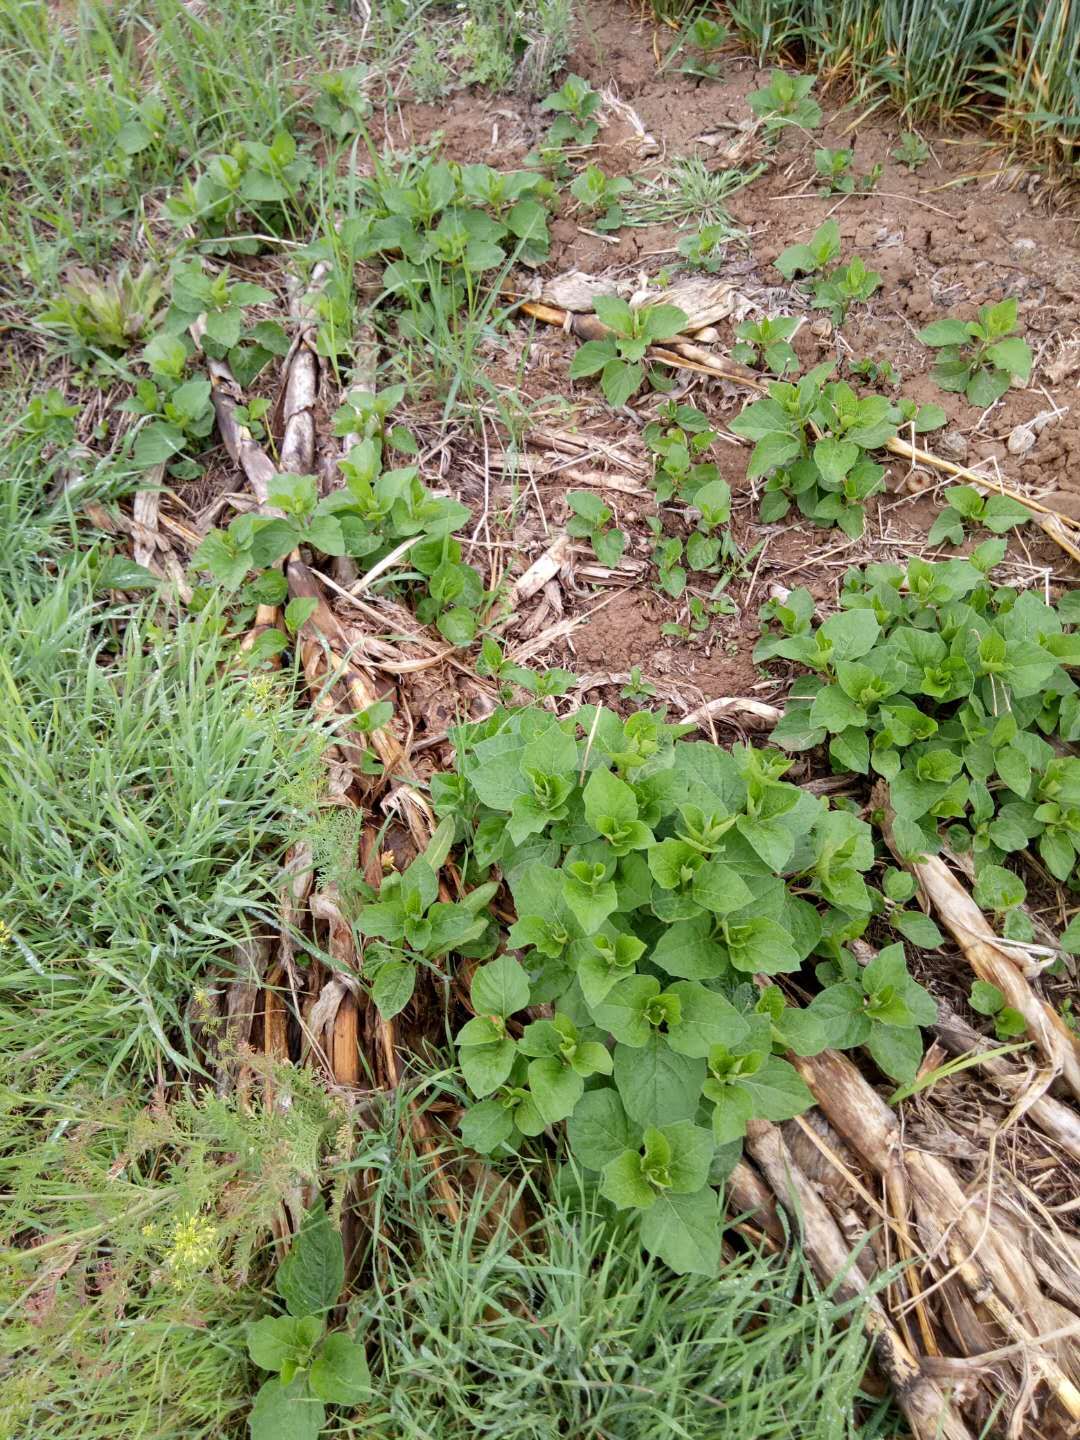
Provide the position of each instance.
(5, 935)
(194, 1246)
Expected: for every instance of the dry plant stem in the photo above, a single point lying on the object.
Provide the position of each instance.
(237, 438)
(144, 525)
(748, 1195)
(542, 570)
(1058, 1121)
(323, 638)
(996, 1275)
(753, 713)
(302, 381)
(929, 1413)
(968, 926)
(243, 451)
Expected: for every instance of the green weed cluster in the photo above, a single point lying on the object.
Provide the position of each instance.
(653, 880)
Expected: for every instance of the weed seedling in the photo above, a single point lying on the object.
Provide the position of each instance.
(575, 126)
(688, 191)
(599, 196)
(590, 520)
(634, 1053)
(108, 315)
(987, 999)
(834, 168)
(965, 506)
(875, 372)
(341, 105)
(636, 688)
(980, 358)
(706, 249)
(812, 440)
(254, 185)
(618, 359)
(311, 1367)
(768, 341)
(429, 76)
(786, 101)
(705, 38)
(842, 287)
(667, 556)
(912, 151)
(812, 257)
(678, 438)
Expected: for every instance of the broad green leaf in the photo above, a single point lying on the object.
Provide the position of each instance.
(223, 326)
(485, 1067)
(661, 322)
(287, 1412)
(706, 1019)
(733, 1107)
(986, 999)
(771, 839)
(986, 386)
(393, 986)
(918, 928)
(762, 946)
(770, 452)
(622, 1011)
(619, 381)
(897, 1049)
(687, 949)
(591, 357)
(500, 988)
(615, 313)
(624, 1183)
(684, 1231)
(486, 1126)
(556, 1089)
(997, 888)
(657, 1086)
(777, 1090)
(310, 1277)
(276, 1339)
(692, 1149)
(339, 1373)
(945, 332)
(720, 889)
(607, 797)
(1013, 355)
(157, 442)
(600, 1129)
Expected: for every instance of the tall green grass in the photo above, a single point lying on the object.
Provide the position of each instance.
(1014, 63)
(146, 793)
(557, 1325)
(570, 1330)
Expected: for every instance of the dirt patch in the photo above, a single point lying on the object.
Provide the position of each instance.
(944, 240)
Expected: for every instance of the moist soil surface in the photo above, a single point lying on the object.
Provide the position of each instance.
(961, 231)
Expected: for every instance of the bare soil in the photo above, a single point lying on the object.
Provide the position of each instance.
(946, 239)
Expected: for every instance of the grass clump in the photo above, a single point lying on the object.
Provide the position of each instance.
(570, 1330)
(145, 797)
